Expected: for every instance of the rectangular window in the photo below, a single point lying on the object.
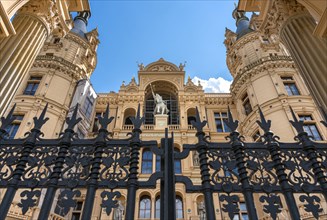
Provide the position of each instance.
(246, 104)
(77, 212)
(242, 214)
(309, 126)
(13, 128)
(220, 119)
(32, 85)
(88, 106)
(290, 85)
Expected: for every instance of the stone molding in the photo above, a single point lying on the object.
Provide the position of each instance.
(259, 66)
(48, 12)
(60, 64)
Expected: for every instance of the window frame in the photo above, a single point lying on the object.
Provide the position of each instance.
(290, 85)
(32, 85)
(143, 214)
(221, 117)
(309, 124)
(145, 168)
(13, 128)
(246, 103)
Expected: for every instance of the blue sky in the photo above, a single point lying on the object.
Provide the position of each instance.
(144, 31)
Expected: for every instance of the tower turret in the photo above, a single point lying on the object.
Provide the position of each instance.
(242, 23)
(63, 65)
(265, 76)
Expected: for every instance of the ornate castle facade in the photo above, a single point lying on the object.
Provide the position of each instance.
(54, 56)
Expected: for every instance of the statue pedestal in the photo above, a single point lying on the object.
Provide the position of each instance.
(161, 122)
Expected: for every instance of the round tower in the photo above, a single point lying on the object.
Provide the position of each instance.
(265, 76)
(54, 76)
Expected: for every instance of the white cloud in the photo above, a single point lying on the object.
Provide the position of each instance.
(213, 84)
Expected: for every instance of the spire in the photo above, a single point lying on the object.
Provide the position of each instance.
(80, 23)
(242, 23)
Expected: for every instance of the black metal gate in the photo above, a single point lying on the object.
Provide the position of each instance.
(271, 170)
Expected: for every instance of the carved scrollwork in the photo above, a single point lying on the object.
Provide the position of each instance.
(298, 169)
(40, 165)
(224, 165)
(77, 165)
(260, 168)
(115, 161)
(9, 156)
(48, 12)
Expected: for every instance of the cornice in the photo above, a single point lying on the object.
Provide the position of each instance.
(257, 67)
(60, 64)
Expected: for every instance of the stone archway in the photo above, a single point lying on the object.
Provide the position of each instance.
(169, 93)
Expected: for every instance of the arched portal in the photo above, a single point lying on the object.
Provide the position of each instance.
(169, 93)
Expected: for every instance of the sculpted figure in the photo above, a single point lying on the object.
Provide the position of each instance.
(202, 211)
(161, 107)
(196, 159)
(119, 211)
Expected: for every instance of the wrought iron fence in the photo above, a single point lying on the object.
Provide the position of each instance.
(270, 171)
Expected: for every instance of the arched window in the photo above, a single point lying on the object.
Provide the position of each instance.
(178, 164)
(179, 207)
(157, 214)
(190, 119)
(147, 161)
(145, 207)
(169, 94)
(128, 121)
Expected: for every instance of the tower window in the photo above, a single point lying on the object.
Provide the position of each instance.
(220, 118)
(309, 126)
(14, 126)
(290, 86)
(246, 104)
(32, 85)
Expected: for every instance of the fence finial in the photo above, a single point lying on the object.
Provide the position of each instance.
(39, 122)
(73, 120)
(5, 121)
(138, 120)
(105, 120)
(264, 124)
(231, 123)
(298, 125)
(198, 124)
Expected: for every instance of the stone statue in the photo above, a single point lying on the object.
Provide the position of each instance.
(161, 107)
(119, 211)
(196, 159)
(202, 211)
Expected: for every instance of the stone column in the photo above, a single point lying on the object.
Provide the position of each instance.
(33, 23)
(309, 53)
